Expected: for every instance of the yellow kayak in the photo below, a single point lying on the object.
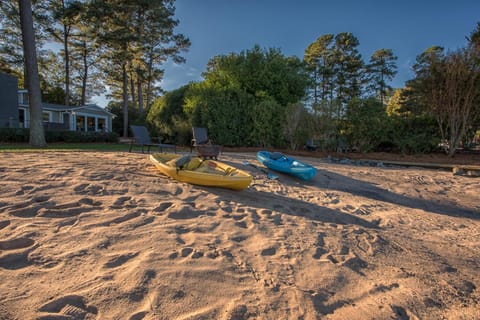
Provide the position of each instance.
(194, 170)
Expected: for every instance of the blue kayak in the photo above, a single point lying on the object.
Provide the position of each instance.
(281, 163)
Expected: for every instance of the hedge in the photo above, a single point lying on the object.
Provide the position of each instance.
(23, 135)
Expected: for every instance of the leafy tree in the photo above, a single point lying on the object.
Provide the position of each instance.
(367, 124)
(225, 112)
(167, 115)
(244, 97)
(406, 102)
(298, 125)
(448, 83)
(474, 47)
(412, 127)
(117, 109)
(37, 135)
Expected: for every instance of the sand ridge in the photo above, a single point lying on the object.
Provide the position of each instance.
(89, 235)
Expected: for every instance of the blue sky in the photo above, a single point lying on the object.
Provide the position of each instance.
(408, 27)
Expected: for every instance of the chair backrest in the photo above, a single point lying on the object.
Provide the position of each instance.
(200, 135)
(141, 135)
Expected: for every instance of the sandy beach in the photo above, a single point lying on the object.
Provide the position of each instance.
(88, 235)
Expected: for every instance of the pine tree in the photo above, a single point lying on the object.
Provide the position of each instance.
(382, 68)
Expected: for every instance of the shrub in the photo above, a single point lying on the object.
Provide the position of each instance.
(20, 135)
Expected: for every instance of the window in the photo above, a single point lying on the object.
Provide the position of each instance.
(47, 116)
(80, 123)
(90, 124)
(21, 118)
(101, 124)
(23, 98)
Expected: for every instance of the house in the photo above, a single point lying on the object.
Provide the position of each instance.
(8, 101)
(87, 118)
(15, 111)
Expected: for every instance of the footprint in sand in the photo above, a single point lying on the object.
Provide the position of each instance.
(14, 244)
(119, 260)
(239, 219)
(17, 259)
(185, 212)
(62, 213)
(370, 244)
(269, 252)
(163, 206)
(4, 223)
(320, 250)
(362, 210)
(121, 202)
(127, 217)
(138, 315)
(91, 189)
(187, 252)
(239, 238)
(241, 224)
(338, 255)
(68, 307)
(195, 253)
(26, 188)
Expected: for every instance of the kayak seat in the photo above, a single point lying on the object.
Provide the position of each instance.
(277, 155)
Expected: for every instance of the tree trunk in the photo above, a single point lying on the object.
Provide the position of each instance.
(67, 65)
(132, 89)
(125, 100)
(85, 74)
(37, 135)
(149, 80)
(140, 95)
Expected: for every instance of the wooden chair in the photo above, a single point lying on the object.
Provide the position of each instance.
(141, 137)
(310, 145)
(204, 146)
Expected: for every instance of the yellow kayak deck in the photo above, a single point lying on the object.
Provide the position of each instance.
(194, 170)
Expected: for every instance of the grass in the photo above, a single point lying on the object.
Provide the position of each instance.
(105, 147)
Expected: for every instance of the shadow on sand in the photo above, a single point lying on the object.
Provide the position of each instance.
(328, 180)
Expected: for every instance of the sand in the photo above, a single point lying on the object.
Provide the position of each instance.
(86, 235)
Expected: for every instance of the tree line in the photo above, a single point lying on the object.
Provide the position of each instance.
(261, 98)
(258, 97)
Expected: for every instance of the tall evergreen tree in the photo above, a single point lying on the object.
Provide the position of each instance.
(319, 59)
(138, 38)
(59, 23)
(347, 69)
(382, 68)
